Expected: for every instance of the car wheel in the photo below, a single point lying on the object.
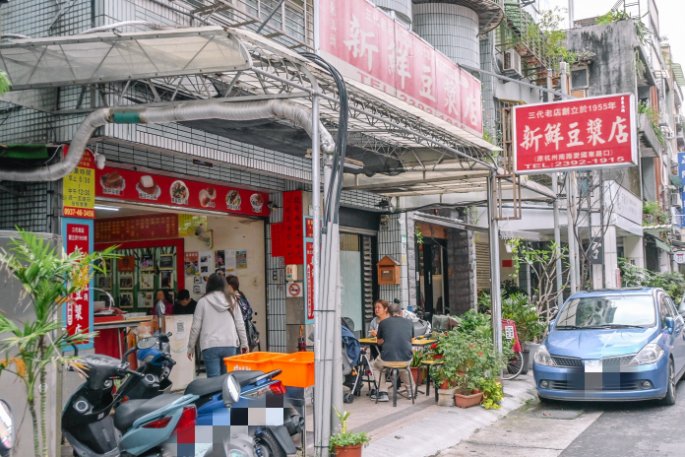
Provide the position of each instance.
(670, 397)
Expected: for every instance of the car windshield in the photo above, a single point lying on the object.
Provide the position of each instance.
(608, 311)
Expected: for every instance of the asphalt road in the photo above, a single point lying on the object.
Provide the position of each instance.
(633, 430)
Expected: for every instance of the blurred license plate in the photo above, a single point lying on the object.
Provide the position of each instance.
(593, 366)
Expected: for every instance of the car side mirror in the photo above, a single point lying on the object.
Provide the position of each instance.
(669, 324)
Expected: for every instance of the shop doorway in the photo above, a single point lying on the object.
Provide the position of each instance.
(432, 277)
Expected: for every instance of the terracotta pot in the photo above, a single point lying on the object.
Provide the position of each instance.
(444, 385)
(348, 451)
(418, 374)
(467, 400)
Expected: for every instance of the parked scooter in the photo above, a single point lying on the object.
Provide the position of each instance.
(136, 428)
(7, 431)
(273, 439)
(257, 389)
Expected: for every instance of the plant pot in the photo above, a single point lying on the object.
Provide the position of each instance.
(445, 397)
(467, 400)
(418, 374)
(348, 451)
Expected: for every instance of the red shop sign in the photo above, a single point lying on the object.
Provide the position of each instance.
(78, 306)
(370, 47)
(309, 318)
(576, 134)
(136, 186)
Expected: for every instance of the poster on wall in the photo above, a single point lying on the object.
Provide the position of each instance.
(206, 264)
(230, 259)
(190, 263)
(219, 260)
(147, 281)
(241, 259)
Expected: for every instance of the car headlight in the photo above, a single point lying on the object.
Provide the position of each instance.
(542, 357)
(649, 354)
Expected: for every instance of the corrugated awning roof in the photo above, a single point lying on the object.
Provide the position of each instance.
(402, 142)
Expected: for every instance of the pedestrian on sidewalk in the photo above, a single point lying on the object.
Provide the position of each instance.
(394, 339)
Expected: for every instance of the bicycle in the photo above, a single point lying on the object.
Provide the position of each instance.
(515, 363)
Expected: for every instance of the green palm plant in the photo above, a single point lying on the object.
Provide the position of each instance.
(5, 84)
(49, 279)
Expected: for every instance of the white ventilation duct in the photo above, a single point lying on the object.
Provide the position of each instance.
(177, 112)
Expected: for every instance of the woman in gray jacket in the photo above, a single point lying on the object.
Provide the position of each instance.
(218, 323)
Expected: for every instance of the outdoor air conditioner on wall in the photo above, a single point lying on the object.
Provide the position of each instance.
(512, 62)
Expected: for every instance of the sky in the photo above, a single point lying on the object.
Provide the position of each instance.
(671, 15)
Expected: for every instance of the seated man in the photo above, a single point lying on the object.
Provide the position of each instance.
(394, 339)
(184, 304)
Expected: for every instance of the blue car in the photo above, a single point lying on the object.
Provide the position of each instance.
(612, 345)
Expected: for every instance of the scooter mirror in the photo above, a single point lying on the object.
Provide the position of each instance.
(6, 428)
(230, 391)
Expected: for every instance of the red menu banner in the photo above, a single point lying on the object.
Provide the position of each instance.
(576, 134)
(151, 227)
(78, 235)
(369, 46)
(136, 186)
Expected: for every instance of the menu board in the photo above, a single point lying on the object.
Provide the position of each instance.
(78, 188)
(136, 186)
(156, 226)
(286, 237)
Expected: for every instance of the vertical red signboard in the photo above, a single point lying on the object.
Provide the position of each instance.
(310, 282)
(78, 234)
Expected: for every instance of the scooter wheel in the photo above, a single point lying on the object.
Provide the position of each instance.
(268, 446)
(348, 398)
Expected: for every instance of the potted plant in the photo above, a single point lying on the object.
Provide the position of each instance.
(344, 443)
(30, 349)
(417, 370)
(493, 393)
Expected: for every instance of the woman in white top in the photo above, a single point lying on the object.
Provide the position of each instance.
(380, 309)
(218, 325)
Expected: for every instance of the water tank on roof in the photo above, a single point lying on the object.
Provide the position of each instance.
(401, 9)
(452, 29)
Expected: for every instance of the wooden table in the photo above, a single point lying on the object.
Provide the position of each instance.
(418, 342)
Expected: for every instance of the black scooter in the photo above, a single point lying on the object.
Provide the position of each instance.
(144, 430)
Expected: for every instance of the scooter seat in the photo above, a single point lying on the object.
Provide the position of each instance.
(208, 386)
(130, 411)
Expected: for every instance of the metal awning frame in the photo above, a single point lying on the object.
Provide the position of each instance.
(387, 128)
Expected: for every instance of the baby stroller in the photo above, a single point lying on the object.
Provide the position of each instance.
(356, 365)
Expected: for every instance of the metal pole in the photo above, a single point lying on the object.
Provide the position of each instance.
(571, 17)
(557, 231)
(495, 291)
(601, 225)
(570, 201)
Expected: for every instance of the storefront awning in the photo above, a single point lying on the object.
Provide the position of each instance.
(105, 57)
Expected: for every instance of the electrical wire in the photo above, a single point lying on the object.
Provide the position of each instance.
(336, 183)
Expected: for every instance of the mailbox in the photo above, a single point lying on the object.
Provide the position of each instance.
(388, 272)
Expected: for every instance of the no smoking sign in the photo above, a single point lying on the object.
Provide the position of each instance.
(294, 289)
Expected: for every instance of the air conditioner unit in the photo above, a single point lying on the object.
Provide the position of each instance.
(512, 62)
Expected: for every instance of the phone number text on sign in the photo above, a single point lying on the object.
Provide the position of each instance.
(576, 134)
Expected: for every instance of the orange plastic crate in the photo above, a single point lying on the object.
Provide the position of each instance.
(297, 369)
(252, 361)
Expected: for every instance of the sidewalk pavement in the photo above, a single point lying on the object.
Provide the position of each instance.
(424, 429)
